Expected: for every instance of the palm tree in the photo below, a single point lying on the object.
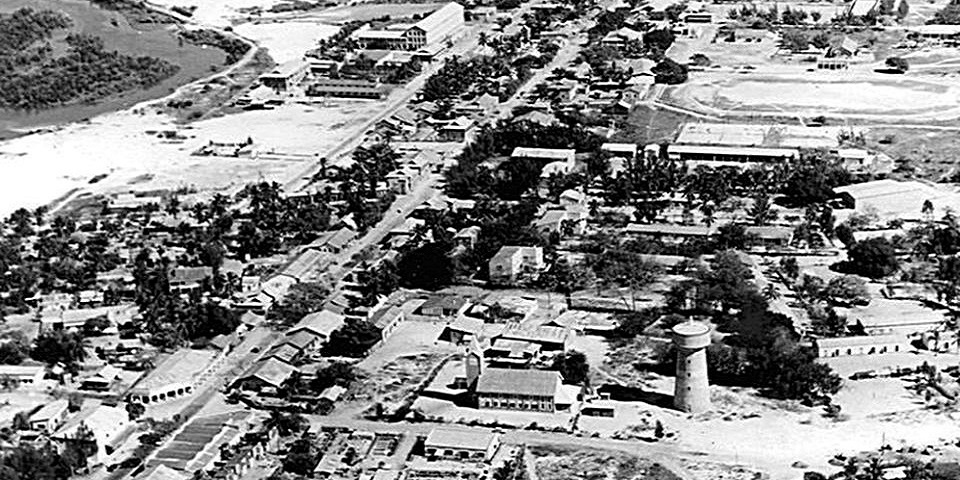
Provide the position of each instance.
(771, 292)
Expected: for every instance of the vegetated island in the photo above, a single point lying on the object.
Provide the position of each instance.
(32, 78)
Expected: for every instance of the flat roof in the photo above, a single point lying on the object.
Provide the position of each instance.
(460, 438)
(180, 367)
(936, 29)
(862, 340)
(726, 150)
(551, 153)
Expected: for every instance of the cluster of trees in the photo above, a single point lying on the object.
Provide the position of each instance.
(948, 15)
(798, 40)
(169, 318)
(274, 220)
(763, 350)
(232, 46)
(62, 259)
(760, 18)
(26, 462)
(87, 72)
(513, 178)
(477, 75)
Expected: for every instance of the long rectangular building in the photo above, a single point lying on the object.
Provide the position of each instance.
(733, 155)
(431, 30)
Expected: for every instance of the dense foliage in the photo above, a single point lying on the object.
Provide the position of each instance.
(233, 47)
(31, 78)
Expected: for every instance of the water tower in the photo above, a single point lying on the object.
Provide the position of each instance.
(692, 390)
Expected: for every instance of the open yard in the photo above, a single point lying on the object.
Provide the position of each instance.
(823, 94)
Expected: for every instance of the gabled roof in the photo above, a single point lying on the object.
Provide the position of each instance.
(50, 410)
(271, 371)
(322, 323)
(541, 383)
(285, 352)
(301, 339)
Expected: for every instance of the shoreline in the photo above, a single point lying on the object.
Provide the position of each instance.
(58, 190)
(178, 22)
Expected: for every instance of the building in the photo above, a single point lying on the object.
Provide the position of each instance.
(387, 320)
(459, 130)
(936, 32)
(734, 156)
(49, 418)
(265, 375)
(866, 8)
(347, 89)
(692, 388)
(107, 424)
(461, 444)
(319, 324)
(286, 75)
(860, 345)
(512, 263)
(176, 376)
(334, 241)
(548, 338)
(24, 374)
(768, 236)
(433, 29)
(509, 389)
(620, 38)
(467, 237)
(511, 353)
(102, 380)
(186, 279)
(444, 306)
(625, 150)
(546, 155)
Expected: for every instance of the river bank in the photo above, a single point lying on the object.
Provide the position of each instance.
(117, 33)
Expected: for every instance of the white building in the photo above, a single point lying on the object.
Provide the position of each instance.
(512, 262)
(462, 444)
(431, 30)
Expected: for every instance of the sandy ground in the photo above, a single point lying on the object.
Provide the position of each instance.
(41, 167)
(216, 12)
(288, 40)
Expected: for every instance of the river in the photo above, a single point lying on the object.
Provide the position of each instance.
(117, 34)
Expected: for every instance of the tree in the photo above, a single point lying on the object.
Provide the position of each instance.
(794, 40)
(353, 339)
(898, 64)
(669, 72)
(428, 267)
(732, 236)
(874, 258)
(790, 267)
(828, 323)
(13, 350)
(286, 423)
(700, 60)
(135, 410)
(301, 299)
(21, 421)
(848, 289)
(844, 233)
(761, 212)
(336, 373)
(58, 346)
(573, 366)
(658, 430)
(927, 210)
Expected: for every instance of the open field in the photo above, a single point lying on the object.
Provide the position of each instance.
(821, 95)
(286, 41)
(41, 167)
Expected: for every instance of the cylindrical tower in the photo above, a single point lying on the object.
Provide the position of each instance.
(692, 391)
